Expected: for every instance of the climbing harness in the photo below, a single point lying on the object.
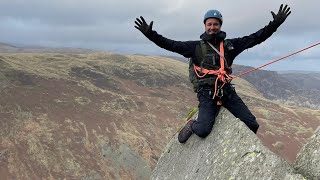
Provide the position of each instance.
(221, 73)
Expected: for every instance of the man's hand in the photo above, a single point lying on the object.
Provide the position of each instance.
(142, 26)
(283, 13)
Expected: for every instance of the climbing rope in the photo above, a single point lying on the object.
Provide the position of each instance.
(284, 57)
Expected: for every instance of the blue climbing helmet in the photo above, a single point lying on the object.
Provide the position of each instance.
(213, 14)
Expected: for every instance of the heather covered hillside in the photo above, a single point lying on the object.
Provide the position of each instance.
(109, 116)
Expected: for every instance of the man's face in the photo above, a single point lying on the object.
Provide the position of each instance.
(212, 26)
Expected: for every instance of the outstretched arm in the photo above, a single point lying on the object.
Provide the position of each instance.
(185, 48)
(246, 42)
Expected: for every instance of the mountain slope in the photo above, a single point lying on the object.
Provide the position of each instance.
(108, 116)
(97, 115)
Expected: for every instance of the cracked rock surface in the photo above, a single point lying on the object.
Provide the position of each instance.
(308, 159)
(231, 151)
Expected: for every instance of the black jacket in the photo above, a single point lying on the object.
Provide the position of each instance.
(188, 48)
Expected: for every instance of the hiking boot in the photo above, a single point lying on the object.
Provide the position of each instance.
(186, 132)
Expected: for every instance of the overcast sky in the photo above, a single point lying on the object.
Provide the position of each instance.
(109, 25)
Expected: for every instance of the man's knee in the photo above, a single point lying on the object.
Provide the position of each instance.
(201, 131)
(254, 127)
(252, 123)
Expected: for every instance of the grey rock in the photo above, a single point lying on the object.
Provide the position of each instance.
(231, 151)
(308, 159)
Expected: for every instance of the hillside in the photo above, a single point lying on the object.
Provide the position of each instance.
(109, 116)
(98, 115)
(291, 88)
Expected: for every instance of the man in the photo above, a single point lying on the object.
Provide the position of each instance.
(211, 59)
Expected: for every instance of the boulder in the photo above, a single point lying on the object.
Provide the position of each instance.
(231, 151)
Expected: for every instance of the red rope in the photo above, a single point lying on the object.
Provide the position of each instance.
(254, 69)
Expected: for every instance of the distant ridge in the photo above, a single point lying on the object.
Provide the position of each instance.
(8, 48)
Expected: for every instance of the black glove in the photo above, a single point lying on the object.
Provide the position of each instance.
(283, 13)
(142, 26)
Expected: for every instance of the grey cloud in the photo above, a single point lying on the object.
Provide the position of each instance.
(109, 24)
(74, 12)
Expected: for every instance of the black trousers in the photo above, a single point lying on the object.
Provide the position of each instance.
(208, 110)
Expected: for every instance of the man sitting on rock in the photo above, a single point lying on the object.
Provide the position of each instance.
(211, 59)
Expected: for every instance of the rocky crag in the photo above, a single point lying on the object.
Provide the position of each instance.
(232, 151)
